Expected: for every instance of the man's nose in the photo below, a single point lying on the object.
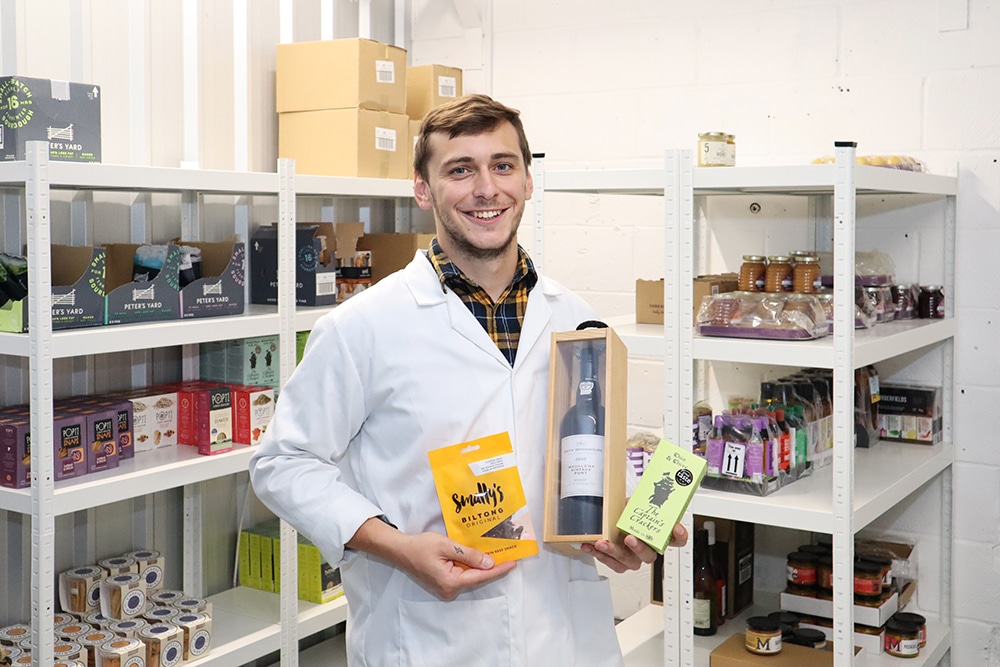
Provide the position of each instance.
(485, 186)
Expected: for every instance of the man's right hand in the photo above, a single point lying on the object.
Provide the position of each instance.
(438, 563)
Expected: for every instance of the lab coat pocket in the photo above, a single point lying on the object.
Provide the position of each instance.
(594, 633)
(471, 633)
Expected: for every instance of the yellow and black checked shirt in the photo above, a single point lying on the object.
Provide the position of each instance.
(503, 319)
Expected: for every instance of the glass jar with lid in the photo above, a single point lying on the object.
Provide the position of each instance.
(778, 277)
(716, 149)
(806, 274)
(752, 273)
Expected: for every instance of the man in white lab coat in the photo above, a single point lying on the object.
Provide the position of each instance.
(452, 348)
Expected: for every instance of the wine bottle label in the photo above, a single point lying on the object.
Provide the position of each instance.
(702, 613)
(582, 464)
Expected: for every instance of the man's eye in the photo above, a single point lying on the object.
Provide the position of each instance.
(504, 167)
(460, 171)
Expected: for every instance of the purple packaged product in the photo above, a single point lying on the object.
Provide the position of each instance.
(15, 454)
(68, 434)
(101, 442)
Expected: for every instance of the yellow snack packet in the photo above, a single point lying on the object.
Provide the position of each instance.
(482, 500)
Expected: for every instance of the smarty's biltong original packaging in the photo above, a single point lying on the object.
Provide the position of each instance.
(482, 500)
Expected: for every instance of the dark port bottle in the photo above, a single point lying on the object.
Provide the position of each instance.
(581, 488)
(706, 592)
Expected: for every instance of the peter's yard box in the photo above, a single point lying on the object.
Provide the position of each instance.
(65, 114)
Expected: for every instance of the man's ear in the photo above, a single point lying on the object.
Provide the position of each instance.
(422, 193)
(529, 186)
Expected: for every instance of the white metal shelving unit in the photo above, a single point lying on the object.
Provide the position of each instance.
(247, 623)
(861, 485)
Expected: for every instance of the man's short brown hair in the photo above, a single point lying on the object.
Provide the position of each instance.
(470, 114)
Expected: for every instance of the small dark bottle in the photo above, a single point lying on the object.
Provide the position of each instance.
(706, 592)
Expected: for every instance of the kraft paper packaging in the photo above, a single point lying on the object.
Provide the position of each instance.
(662, 495)
(482, 500)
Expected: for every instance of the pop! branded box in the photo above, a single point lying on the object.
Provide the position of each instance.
(253, 408)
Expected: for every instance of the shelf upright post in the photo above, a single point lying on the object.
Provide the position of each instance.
(538, 206)
(948, 401)
(43, 573)
(844, 212)
(678, 378)
(289, 603)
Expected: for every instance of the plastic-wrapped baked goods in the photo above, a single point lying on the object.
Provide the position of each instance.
(865, 308)
(901, 162)
(761, 315)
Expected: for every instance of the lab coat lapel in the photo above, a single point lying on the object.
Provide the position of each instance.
(426, 289)
(536, 318)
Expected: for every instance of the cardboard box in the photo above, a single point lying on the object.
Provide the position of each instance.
(253, 408)
(414, 135)
(733, 653)
(910, 413)
(154, 418)
(611, 366)
(77, 291)
(65, 114)
(392, 252)
(649, 295)
(101, 440)
(316, 249)
(872, 616)
(347, 142)
(737, 543)
(340, 74)
(131, 302)
(220, 289)
(205, 417)
(427, 86)
(68, 431)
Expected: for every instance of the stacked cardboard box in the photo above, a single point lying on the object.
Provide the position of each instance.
(342, 108)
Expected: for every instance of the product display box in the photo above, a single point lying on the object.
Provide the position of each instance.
(68, 430)
(301, 338)
(347, 142)
(130, 302)
(124, 424)
(67, 115)
(392, 252)
(649, 295)
(340, 74)
(154, 418)
(15, 453)
(318, 246)
(733, 653)
(910, 413)
(253, 408)
(260, 559)
(354, 274)
(872, 616)
(427, 86)
(77, 291)
(242, 361)
(205, 417)
(220, 289)
(592, 472)
(872, 642)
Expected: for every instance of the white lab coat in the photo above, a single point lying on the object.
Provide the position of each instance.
(396, 371)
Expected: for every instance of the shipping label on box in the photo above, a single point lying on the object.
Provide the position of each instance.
(590, 488)
(131, 301)
(66, 115)
(220, 290)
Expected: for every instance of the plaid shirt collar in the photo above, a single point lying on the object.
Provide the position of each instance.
(452, 276)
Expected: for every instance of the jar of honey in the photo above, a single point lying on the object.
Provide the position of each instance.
(763, 636)
(806, 275)
(778, 277)
(752, 273)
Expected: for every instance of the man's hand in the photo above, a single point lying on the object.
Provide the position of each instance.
(635, 552)
(438, 563)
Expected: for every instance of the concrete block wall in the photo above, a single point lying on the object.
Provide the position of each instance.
(613, 84)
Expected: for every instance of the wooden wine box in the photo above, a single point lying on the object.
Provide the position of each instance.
(611, 366)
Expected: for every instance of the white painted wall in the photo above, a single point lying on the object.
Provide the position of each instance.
(612, 84)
